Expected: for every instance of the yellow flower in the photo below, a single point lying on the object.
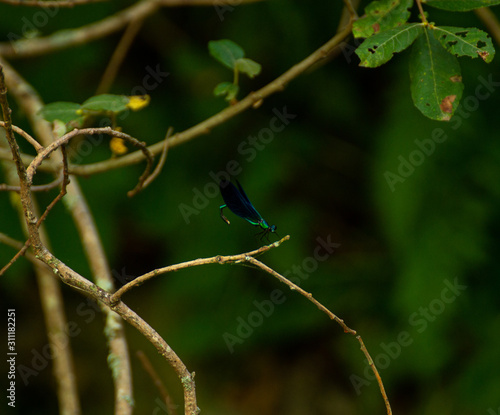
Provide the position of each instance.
(137, 102)
(118, 146)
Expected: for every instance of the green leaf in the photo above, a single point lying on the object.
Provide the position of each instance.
(379, 48)
(106, 103)
(460, 5)
(228, 89)
(226, 51)
(436, 81)
(63, 111)
(382, 15)
(248, 66)
(470, 42)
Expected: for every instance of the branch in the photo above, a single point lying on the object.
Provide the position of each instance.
(63, 39)
(118, 55)
(161, 162)
(14, 243)
(72, 37)
(148, 367)
(218, 259)
(490, 21)
(49, 3)
(31, 171)
(332, 316)
(24, 134)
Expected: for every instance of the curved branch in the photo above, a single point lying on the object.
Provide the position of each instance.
(84, 34)
(25, 135)
(332, 316)
(32, 168)
(218, 259)
(72, 37)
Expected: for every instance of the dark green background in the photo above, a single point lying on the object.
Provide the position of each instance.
(321, 177)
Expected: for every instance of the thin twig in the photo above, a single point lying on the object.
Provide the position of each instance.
(421, 11)
(61, 194)
(49, 3)
(63, 39)
(218, 259)
(65, 180)
(91, 131)
(20, 253)
(377, 375)
(14, 243)
(148, 367)
(36, 188)
(332, 316)
(84, 34)
(24, 134)
(118, 55)
(490, 21)
(161, 162)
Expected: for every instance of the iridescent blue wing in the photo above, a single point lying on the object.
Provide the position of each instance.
(237, 201)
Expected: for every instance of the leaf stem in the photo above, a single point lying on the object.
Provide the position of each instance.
(422, 14)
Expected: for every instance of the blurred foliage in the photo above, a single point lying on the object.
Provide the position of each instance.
(323, 176)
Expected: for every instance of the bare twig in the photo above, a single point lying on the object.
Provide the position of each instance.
(91, 131)
(490, 21)
(24, 134)
(218, 259)
(36, 188)
(377, 375)
(161, 162)
(14, 243)
(50, 3)
(72, 37)
(148, 367)
(332, 316)
(20, 253)
(118, 55)
(65, 181)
